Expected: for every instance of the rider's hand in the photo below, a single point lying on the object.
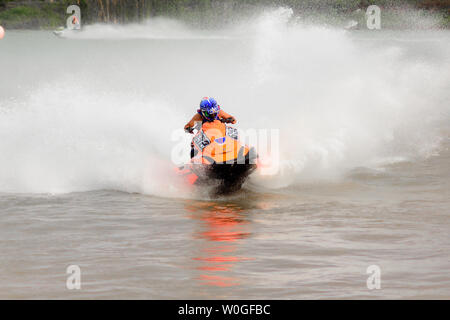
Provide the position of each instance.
(188, 129)
(231, 120)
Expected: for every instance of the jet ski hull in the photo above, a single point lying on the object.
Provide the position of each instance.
(219, 160)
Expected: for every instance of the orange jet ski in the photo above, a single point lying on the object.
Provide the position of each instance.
(218, 159)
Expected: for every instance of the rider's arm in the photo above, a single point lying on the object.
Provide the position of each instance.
(224, 115)
(192, 122)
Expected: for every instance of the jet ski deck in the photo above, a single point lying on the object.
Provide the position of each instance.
(218, 159)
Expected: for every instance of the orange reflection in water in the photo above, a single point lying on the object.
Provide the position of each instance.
(223, 226)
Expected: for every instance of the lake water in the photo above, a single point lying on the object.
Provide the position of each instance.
(86, 172)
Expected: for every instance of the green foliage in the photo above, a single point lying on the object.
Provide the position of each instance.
(21, 12)
(20, 16)
(347, 5)
(3, 2)
(446, 21)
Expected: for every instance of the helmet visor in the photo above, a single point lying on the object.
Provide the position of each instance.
(209, 115)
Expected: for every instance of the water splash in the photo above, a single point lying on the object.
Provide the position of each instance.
(99, 114)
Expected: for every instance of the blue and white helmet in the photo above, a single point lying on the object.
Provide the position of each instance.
(209, 109)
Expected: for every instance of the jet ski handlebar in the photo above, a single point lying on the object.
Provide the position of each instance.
(227, 120)
(191, 129)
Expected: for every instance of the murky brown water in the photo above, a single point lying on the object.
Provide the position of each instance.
(315, 241)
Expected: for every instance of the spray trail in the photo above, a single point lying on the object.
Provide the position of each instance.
(100, 114)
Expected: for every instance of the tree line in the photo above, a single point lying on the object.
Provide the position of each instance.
(41, 13)
(122, 11)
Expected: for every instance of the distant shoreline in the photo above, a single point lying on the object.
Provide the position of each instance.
(51, 14)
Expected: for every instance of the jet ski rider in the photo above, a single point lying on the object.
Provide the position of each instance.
(208, 112)
(76, 23)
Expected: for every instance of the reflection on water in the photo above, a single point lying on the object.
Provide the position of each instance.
(223, 226)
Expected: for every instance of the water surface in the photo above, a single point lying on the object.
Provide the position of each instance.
(85, 130)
